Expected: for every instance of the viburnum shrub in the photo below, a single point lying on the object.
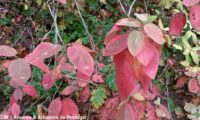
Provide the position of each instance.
(136, 48)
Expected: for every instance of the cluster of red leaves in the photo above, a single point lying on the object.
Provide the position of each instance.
(136, 58)
(177, 24)
(20, 72)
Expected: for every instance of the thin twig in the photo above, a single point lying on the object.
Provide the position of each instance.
(130, 8)
(19, 36)
(80, 79)
(145, 5)
(122, 7)
(54, 16)
(86, 28)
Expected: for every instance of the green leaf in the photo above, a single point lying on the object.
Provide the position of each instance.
(185, 63)
(151, 18)
(135, 42)
(110, 81)
(98, 96)
(166, 3)
(195, 57)
(186, 43)
(178, 47)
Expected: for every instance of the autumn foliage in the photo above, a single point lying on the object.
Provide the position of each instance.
(134, 46)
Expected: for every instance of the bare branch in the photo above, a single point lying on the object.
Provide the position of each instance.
(131, 7)
(86, 28)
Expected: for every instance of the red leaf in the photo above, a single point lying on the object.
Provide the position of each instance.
(19, 69)
(7, 51)
(82, 79)
(109, 112)
(177, 23)
(193, 86)
(44, 50)
(16, 83)
(189, 3)
(125, 75)
(81, 59)
(85, 94)
(116, 45)
(18, 94)
(126, 113)
(154, 32)
(180, 82)
(97, 78)
(30, 90)
(55, 107)
(15, 109)
(152, 68)
(12, 101)
(146, 54)
(195, 17)
(145, 82)
(151, 112)
(48, 80)
(69, 107)
(68, 90)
